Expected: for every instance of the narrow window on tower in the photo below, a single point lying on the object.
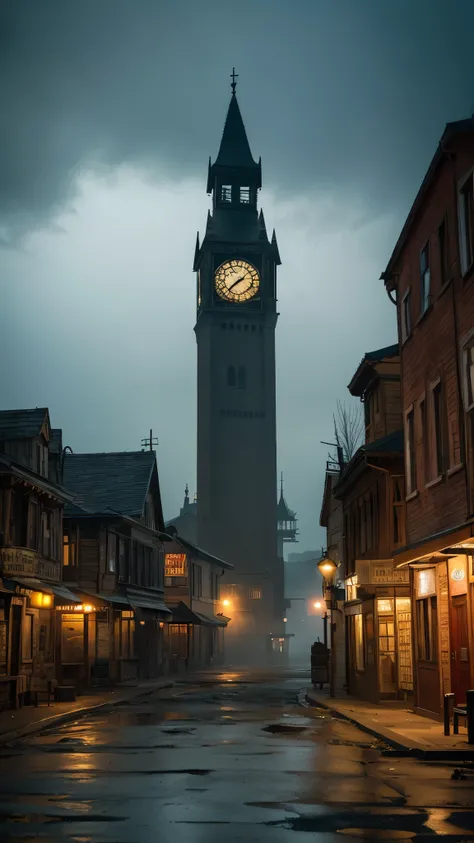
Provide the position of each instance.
(231, 381)
(244, 195)
(242, 378)
(226, 193)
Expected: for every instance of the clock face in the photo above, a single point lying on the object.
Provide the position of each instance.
(236, 280)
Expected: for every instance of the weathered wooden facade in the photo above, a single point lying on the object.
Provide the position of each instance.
(195, 635)
(371, 488)
(431, 276)
(331, 517)
(31, 518)
(113, 560)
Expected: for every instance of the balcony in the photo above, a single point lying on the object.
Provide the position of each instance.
(22, 562)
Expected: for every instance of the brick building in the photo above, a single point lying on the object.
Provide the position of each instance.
(431, 276)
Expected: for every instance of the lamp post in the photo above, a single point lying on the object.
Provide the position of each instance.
(328, 570)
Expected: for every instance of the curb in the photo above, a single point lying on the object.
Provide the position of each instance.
(401, 749)
(54, 720)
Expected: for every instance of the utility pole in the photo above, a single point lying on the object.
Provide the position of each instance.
(149, 443)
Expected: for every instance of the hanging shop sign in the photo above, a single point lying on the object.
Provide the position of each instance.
(175, 565)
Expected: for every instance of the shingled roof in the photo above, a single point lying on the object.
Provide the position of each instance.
(22, 424)
(110, 482)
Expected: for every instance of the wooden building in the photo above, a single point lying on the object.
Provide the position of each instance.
(31, 531)
(195, 635)
(430, 275)
(371, 488)
(114, 562)
(331, 517)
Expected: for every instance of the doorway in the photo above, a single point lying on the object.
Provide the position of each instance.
(15, 614)
(460, 672)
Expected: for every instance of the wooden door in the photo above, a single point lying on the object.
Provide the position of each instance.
(460, 673)
(16, 614)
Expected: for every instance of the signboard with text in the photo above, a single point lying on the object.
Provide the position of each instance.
(20, 562)
(175, 565)
(380, 572)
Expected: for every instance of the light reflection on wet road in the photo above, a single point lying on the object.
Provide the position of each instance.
(232, 757)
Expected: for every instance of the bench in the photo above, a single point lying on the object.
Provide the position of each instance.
(465, 710)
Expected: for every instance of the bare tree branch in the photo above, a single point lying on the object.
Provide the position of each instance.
(348, 429)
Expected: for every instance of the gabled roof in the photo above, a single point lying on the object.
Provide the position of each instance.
(107, 482)
(234, 150)
(7, 465)
(382, 353)
(452, 130)
(390, 445)
(366, 369)
(203, 554)
(22, 424)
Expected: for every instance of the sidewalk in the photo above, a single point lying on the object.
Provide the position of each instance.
(397, 725)
(16, 724)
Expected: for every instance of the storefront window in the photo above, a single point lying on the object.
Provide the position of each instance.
(427, 629)
(359, 643)
(405, 663)
(387, 657)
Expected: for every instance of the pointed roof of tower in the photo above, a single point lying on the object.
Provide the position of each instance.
(284, 513)
(234, 150)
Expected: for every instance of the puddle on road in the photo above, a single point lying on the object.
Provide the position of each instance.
(178, 731)
(46, 819)
(278, 728)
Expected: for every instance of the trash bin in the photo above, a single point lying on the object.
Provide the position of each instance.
(319, 664)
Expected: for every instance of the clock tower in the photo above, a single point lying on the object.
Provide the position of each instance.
(236, 266)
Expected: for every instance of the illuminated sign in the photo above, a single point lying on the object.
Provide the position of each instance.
(425, 582)
(175, 565)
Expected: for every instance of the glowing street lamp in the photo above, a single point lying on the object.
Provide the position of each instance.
(226, 602)
(327, 568)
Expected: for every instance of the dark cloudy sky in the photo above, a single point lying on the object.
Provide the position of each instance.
(110, 109)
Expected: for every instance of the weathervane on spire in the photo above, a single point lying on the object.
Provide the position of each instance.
(233, 76)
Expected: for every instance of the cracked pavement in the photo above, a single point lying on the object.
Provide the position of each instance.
(225, 755)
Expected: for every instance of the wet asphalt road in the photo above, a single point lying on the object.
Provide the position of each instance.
(197, 764)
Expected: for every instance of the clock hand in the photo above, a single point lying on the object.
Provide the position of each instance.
(236, 282)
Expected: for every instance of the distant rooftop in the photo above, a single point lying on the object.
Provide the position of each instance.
(22, 424)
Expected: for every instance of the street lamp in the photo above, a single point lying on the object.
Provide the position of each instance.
(327, 568)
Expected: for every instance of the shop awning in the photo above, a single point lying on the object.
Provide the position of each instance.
(183, 614)
(108, 599)
(212, 620)
(433, 544)
(134, 602)
(63, 595)
(150, 605)
(60, 592)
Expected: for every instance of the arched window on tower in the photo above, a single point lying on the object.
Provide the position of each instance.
(242, 378)
(231, 380)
